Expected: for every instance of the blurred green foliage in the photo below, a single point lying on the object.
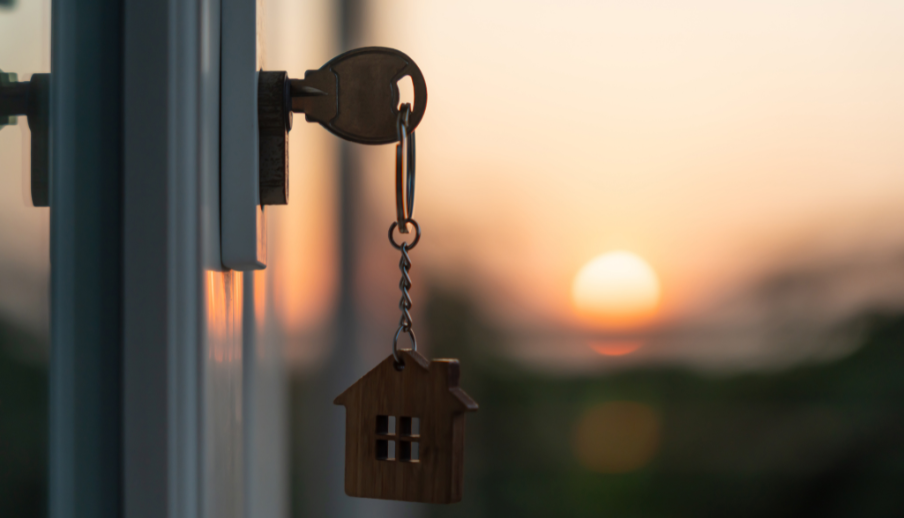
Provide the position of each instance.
(821, 439)
(23, 426)
(817, 440)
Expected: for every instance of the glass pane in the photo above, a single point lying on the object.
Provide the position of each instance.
(662, 238)
(24, 272)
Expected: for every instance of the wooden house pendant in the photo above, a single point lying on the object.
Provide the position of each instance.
(405, 419)
(404, 431)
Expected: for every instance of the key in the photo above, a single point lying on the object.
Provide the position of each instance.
(356, 95)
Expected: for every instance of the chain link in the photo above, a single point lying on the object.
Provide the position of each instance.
(404, 285)
(405, 304)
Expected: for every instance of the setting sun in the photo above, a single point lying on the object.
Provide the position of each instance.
(616, 290)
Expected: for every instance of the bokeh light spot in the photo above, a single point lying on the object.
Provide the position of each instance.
(617, 437)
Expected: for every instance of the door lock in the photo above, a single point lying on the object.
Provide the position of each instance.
(30, 99)
(355, 96)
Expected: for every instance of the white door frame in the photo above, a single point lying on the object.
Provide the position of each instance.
(154, 395)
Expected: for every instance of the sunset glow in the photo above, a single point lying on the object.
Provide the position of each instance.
(615, 347)
(616, 290)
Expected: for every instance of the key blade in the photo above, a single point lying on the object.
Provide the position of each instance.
(315, 95)
(298, 89)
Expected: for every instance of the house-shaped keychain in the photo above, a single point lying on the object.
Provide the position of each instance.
(404, 432)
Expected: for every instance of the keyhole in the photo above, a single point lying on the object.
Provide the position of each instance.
(406, 91)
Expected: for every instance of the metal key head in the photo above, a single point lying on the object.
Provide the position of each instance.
(356, 95)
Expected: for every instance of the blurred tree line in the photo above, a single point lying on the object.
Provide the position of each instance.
(23, 425)
(821, 439)
(816, 440)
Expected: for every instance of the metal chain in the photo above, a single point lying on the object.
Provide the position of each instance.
(405, 322)
(404, 285)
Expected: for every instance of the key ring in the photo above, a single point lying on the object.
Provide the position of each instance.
(404, 186)
(417, 237)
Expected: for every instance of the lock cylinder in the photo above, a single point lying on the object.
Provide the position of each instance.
(276, 96)
(274, 119)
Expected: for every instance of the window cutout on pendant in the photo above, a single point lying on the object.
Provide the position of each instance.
(404, 426)
(404, 451)
(382, 449)
(385, 425)
(409, 426)
(386, 449)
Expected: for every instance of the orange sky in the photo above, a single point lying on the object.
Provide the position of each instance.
(713, 139)
(704, 136)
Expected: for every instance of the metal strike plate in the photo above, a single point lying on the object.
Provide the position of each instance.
(243, 223)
